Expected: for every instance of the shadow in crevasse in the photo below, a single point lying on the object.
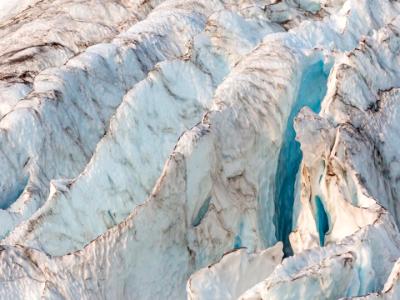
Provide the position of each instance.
(311, 92)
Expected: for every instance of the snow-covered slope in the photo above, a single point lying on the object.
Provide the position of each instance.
(216, 149)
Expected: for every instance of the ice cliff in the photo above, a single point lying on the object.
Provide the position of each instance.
(199, 149)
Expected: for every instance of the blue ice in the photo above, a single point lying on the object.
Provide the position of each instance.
(311, 92)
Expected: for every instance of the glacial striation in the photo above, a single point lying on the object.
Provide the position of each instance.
(200, 149)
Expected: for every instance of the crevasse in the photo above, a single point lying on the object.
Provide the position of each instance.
(14, 194)
(321, 220)
(311, 92)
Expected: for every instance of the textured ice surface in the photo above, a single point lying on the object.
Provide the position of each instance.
(233, 274)
(141, 135)
(217, 149)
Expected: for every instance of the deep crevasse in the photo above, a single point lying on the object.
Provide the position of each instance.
(311, 92)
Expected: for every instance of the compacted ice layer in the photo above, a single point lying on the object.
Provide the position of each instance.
(311, 92)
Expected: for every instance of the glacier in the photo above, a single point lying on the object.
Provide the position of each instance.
(199, 149)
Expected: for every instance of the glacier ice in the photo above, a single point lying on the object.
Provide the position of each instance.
(115, 168)
(200, 149)
(311, 91)
(245, 270)
(69, 130)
